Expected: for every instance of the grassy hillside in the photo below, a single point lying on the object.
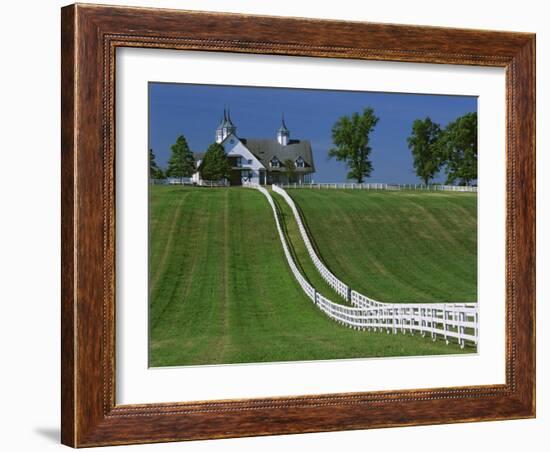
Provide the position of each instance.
(396, 246)
(220, 290)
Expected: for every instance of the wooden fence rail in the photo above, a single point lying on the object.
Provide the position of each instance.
(383, 186)
(449, 320)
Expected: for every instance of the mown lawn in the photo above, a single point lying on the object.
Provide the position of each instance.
(396, 246)
(220, 290)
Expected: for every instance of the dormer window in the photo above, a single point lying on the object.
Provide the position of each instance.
(300, 163)
(274, 162)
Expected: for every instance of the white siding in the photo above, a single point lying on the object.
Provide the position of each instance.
(233, 148)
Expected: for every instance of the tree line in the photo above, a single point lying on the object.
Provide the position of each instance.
(214, 165)
(453, 148)
(433, 148)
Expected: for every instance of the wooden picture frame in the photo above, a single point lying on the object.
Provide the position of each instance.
(90, 36)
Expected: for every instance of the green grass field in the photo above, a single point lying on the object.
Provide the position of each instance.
(402, 246)
(220, 290)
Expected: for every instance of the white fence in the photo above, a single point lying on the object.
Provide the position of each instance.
(380, 186)
(340, 287)
(189, 181)
(458, 320)
(213, 183)
(172, 181)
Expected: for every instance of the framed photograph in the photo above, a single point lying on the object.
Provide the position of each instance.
(282, 225)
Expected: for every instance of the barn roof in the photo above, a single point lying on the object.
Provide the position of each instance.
(265, 150)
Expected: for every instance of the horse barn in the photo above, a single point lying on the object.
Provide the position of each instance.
(263, 161)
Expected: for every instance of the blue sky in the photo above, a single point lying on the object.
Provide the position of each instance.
(195, 110)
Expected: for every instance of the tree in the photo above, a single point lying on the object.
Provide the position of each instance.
(423, 143)
(215, 165)
(458, 147)
(181, 163)
(290, 170)
(155, 172)
(351, 136)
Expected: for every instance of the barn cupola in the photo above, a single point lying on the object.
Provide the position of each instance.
(226, 127)
(283, 134)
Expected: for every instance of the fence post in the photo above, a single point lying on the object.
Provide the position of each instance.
(433, 324)
(460, 329)
(476, 329)
(445, 324)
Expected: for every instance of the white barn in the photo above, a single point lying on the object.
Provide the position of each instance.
(262, 161)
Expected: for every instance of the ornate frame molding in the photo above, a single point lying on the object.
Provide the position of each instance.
(90, 36)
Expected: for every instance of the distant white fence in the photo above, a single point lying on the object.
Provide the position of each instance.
(158, 181)
(458, 320)
(172, 181)
(189, 181)
(381, 186)
(213, 183)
